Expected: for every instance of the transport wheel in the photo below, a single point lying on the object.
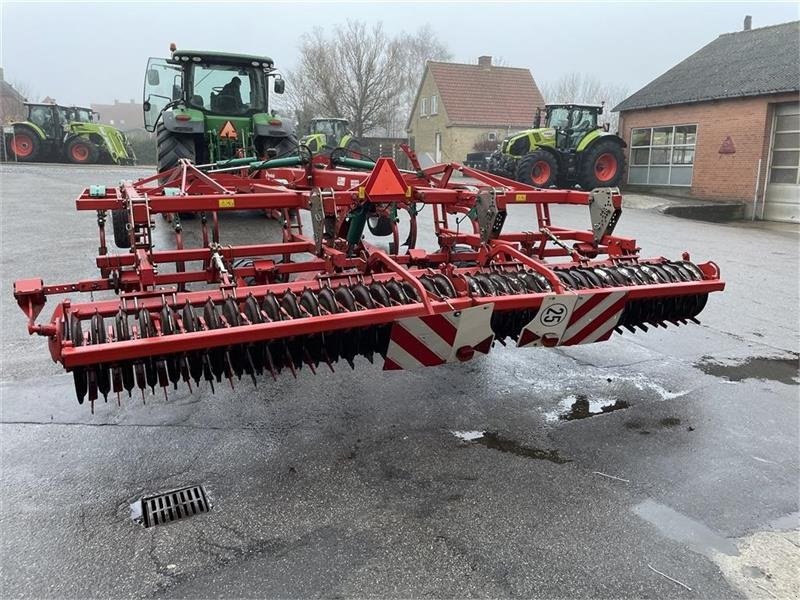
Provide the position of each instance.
(602, 166)
(539, 169)
(380, 226)
(82, 152)
(24, 145)
(119, 220)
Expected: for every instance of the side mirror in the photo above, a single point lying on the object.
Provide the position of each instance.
(153, 77)
(280, 86)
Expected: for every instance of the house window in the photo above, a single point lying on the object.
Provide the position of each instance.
(491, 136)
(434, 105)
(662, 155)
(785, 167)
(423, 111)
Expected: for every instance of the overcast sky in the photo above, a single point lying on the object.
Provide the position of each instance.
(91, 52)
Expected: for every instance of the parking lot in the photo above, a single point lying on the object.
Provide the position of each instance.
(368, 483)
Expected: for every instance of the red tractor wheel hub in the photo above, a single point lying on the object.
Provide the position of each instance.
(80, 152)
(606, 166)
(540, 172)
(22, 145)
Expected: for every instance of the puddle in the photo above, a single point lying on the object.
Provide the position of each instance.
(782, 370)
(496, 442)
(697, 536)
(581, 407)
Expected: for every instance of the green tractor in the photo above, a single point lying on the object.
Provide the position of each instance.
(66, 134)
(212, 106)
(570, 149)
(327, 134)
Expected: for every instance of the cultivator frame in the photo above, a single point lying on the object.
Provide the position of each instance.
(226, 311)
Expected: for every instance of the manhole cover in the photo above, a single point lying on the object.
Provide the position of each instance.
(171, 506)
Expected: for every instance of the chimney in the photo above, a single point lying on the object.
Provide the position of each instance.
(484, 61)
(748, 23)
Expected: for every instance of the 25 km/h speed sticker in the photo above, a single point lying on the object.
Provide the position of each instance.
(549, 324)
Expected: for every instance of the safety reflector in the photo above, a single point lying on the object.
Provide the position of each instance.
(385, 183)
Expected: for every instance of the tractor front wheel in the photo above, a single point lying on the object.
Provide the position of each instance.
(539, 169)
(24, 145)
(82, 152)
(602, 166)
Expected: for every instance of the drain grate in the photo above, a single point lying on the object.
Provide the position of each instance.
(174, 505)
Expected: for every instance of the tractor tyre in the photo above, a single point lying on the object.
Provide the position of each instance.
(171, 147)
(380, 226)
(601, 165)
(24, 144)
(119, 221)
(538, 168)
(283, 146)
(355, 149)
(81, 151)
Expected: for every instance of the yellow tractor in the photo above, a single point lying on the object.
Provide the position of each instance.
(328, 133)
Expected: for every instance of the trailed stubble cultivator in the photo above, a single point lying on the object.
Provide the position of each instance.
(216, 313)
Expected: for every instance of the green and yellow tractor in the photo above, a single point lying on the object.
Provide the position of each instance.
(570, 149)
(212, 106)
(66, 134)
(327, 134)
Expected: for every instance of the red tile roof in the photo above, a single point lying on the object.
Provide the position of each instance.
(479, 95)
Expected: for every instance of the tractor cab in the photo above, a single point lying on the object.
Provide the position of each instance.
(571, 122)
(218, 99)
(327, 133)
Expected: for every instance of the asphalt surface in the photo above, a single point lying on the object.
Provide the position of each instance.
(352, 484)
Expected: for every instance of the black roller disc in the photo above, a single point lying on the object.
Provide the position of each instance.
(169, 326)
(444, 286)
(97, 335)
(396, 292)
(487, 285)
(78, 373)
(122, 333)
(500, 283)
(216, 356)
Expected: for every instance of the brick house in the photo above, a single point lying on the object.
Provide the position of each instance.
(458, 106)
(12, 103)
(125, 116)
(703, 128)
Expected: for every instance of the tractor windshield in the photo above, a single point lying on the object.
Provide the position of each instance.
(558, 118)
(84, 115)
(228, 90)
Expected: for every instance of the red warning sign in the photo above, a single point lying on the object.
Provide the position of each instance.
(228, 131)
(385, 183)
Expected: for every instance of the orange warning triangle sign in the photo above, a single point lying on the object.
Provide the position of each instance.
(385, 181)
(228, 131)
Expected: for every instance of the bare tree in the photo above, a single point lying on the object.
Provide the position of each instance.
(416, 49)
(361, 74)
(586, 89)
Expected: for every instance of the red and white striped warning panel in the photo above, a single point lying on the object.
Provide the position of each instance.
(438, 339)
(576, 319)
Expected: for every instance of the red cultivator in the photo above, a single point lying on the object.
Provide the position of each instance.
(220, 311)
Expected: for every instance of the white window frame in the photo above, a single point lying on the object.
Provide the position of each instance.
(434, 105)
(423, 107)
(672, 145)
(772, 150)
(492, 136)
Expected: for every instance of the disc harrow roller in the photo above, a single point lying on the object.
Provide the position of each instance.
(222, 312)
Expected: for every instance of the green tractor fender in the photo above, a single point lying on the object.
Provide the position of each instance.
(314, 141)
(266, 125)
(594, 136)
(184, 120)
(524, 142)
(14, 127)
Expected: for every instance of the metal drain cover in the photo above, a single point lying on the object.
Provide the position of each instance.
(171, 506)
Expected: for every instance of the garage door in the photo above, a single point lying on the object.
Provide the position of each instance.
(783, 186)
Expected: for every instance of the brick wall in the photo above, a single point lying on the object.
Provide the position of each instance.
(719, 176)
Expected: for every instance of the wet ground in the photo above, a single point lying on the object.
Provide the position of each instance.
(655, 465)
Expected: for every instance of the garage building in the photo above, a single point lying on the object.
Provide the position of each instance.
(724, 124)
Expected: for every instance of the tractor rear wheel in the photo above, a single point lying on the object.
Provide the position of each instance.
(24, 145)
(82, 152)
(283, 146)
(539, 169)
(171, 147)
(602, 166)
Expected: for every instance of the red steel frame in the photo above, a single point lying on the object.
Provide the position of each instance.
(141, 281)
